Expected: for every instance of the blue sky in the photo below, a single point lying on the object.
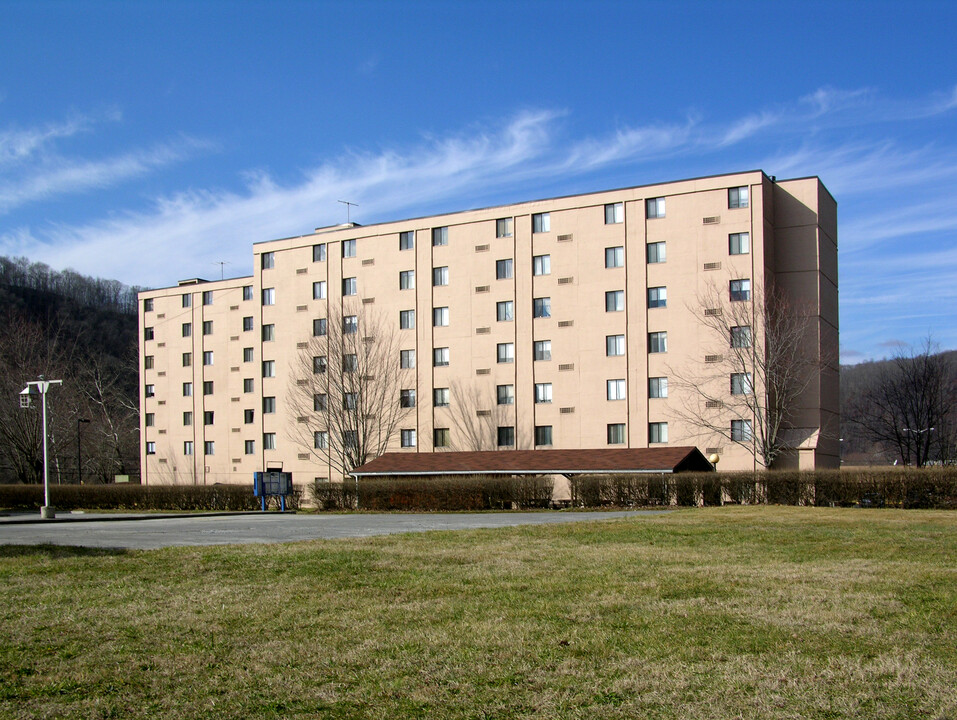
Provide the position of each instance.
(148, 141)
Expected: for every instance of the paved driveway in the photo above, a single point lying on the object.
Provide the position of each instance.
(111, 531)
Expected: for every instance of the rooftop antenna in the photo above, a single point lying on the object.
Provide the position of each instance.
(349, 206)
(222, 268)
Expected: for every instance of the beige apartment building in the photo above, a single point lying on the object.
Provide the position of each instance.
(580, 322)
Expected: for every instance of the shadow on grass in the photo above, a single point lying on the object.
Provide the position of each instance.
(57, 551)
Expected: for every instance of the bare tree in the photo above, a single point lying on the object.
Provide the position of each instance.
(763, 356)
(345, 391)
(478, 415)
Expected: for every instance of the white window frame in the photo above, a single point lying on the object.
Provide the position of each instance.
(615, 256)
(654, 208)
(657, 432)
(657, 297)
(542, 350)
(541, 222)
(615, 346)
(657, 387)
(505, 352)
(658, 342)
(616, 389)
(615, 301)
(440, 317)
(541, 265)
(614, 213)
(543, 393)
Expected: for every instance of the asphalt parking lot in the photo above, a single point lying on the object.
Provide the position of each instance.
(157, 531)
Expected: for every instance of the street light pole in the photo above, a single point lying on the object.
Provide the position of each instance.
(41, 386)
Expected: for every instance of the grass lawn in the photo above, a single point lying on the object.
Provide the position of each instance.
(759, 612)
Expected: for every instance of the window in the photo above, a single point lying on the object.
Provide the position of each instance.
(503, 228)
(542, 307)
(248, 323)
(740, 290)
(319, 290)
(249, 385)
(541, 223)
(320, 402)
(505, 394)
(148, 362)
(505, 311)
(187, 447)
(350, 363)
(208, 417)
(741, 336)
(269, 333)
(616, 434)
(741, 384)
(655, 208)
(543, 434)
(406, 240)
(741, 430)
(440, 397)
(319, 327)
(350, 324)
(269, 296)
(505, 352)
(209, 448)
(249, 416)
(269, 368)
(268, 260)
(269, 441)
(187, 359)
(320, 439)
(250, 447)
(615, 389)
(349, 286)
(440, 317)
(407, 359)
(506, 436)
(187, 329)
(319, 364)
(207, 357)
(543, 392)
(658, 432)
(407, 319)
(543, 349)
(207, 327)
(187, 389)
(187, 418)
(739, 244)
(737, 197)
(151, 448)
(615, 301)
(503, 269)
(187, 300)
(349, 401)
(269, 406)
(247, 292)
(150, 419)
(207, 387)
(440, 437)
(657, 342)
(542, 265)
(207, 297)
(319, 252)
(614, 345)
(148, 305)
(408, 438)
(248, 355)
(615, 257)
(407, 280)
(658, 387)
(407, 398)
(350, 438)
(440, 276)
(440, 236)
(614, 213)
(348, 248)
(656, 253)
(440, 357)
(657, 297)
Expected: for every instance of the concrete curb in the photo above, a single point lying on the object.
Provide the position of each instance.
(71, 518)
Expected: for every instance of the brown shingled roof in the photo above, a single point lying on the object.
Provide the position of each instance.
(533, 462)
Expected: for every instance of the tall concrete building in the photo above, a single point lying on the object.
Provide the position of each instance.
(578, 322)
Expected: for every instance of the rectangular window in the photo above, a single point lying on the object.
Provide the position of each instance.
(348, 248)
(542, 265)
(208, 417)
(319, 364)
(440, 317)
(269, 368)
(207, 357)
(407, 319)
(150, 448)
(543, 434)
(656, 253)
(440, 437)
(187, 389)
(320, 402)
(741, 384)
(658, 432)
(658, 387)
(657, 297)
(187, 329)
(737, 197)
(247, 292)
(543, 392)
(207, 297)
(269, 406)
(440, 236)
(615, 257)
(503, 228)
(187, 359)
(543, 349)
(741, 430)
(269, 296)
(269, 333)
(541, 307)
(207, 387)
(350, 324)
(541, 223)
(148, 305)
(655, 208)
(440, 276)
(187, 300)
(269, 441)
(187, 418)
(209, 448)
(249, 385)
(741, 336)
(505, 311)
(187, 447)
(248, 323)
(505, 352)
(249, 447)
(320, 440)
(268, 260)
(207, 327)
(615, 389)
(248, 355)
(249, 416)
(319, 290)
(350, 363)
(616, 434)
(407, 280)
(614, 213)
(150, 419)
(740, 290)
(148, 362)
(408, 438)
(407, 359)
(739, 244)
(407, 398)
(614, 345)
(440, 357)
(440, 397)
(505, 394)
(503, 269)
(349, 286)
(506, 436)
(615, 301)
(319, 252)
(658, 342)
(407, 240)
(350, 438)
(319, 327)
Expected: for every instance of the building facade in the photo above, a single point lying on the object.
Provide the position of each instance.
(574, 322)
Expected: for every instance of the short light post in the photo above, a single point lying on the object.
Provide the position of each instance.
(79, 463)
(40, 387)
